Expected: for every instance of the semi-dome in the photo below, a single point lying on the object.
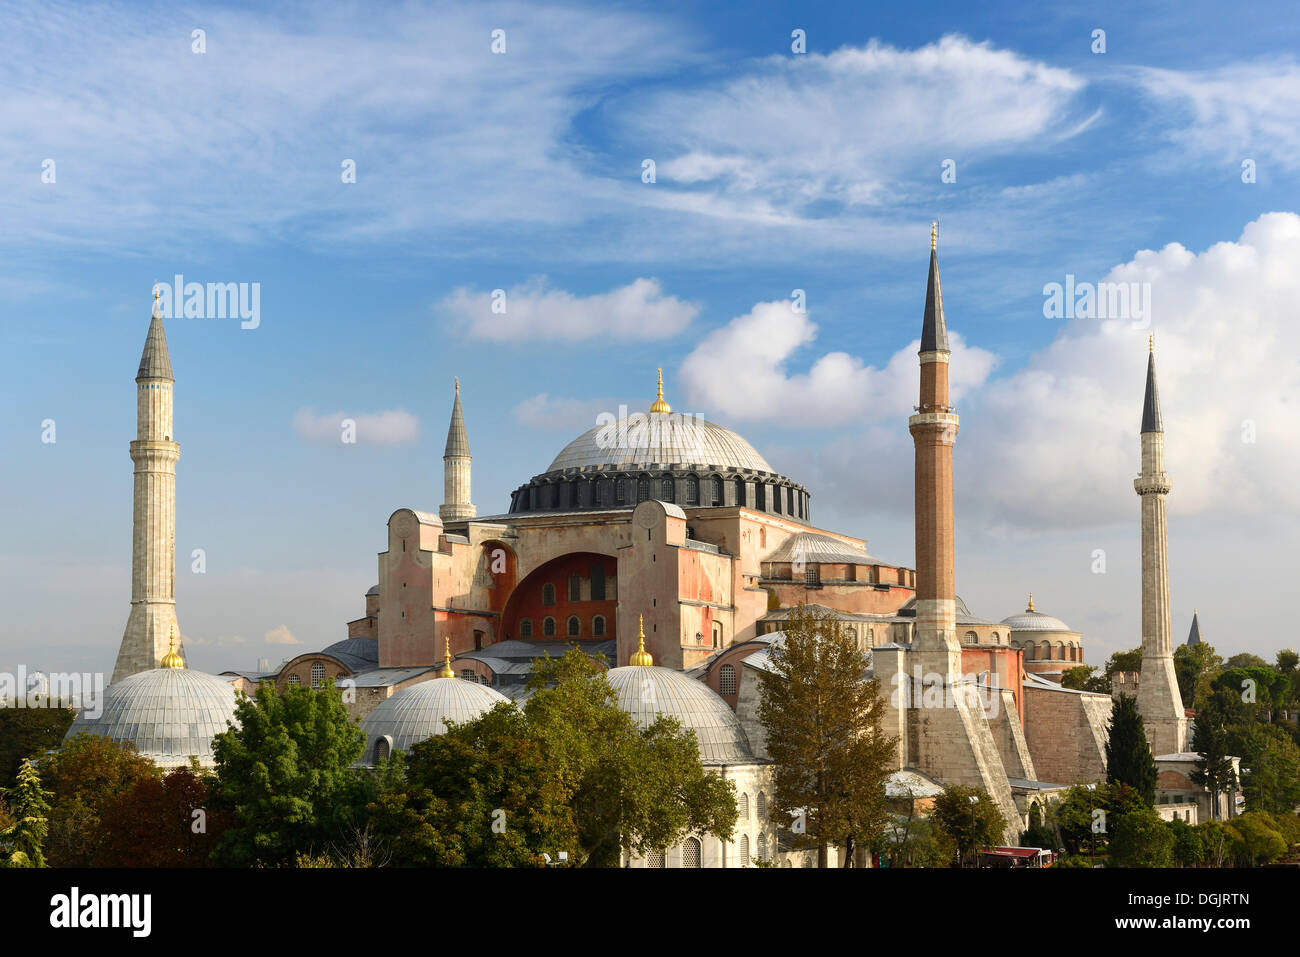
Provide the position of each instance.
(171, 714)
(1030, 620)
(647, 691)
(423, 710)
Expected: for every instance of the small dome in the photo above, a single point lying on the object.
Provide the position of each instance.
(374, 590)
(359, 654)
(170, 714)
(1035, 621)
(423, 710)
(645, 692)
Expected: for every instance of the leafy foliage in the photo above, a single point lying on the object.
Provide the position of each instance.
(1128, 755)
(154, 825)
(21, 843)
(29, 733)
(970, 819)
(824, 735)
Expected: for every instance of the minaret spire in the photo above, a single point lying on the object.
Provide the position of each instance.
(456, 468)
(145, 642)
(1159, 700)
(934, 331)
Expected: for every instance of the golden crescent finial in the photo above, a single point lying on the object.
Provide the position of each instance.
(446, 671)
(934, 234)
(155, 291)
(659, 404)
(172, 659)
(641, 657)
(1151, 342)
(1031, 602)
(458, 385)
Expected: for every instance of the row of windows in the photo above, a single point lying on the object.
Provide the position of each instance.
(1043, 652)
(692, 849)
(317, 677)
(572, 627)
(598, 589)
(628, 490)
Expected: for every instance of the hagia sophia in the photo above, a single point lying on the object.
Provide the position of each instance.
(667, 547)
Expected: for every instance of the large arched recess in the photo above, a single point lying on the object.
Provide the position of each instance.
(526, 601)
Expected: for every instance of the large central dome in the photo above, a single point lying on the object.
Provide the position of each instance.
(660, 439)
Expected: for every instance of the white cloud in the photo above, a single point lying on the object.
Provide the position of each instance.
(1239, 111)
(845, 126)
(534, 312)
(390, 427)
(281, 635)
(739, 372)
(561, 414)
(1055, 444)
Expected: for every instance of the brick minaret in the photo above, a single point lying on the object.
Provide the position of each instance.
(934, 431)
(1159, 701)
(153, 553)
(455, 469)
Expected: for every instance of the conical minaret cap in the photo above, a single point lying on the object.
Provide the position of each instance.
(155, 361)
(457, 440)
(1151, 405)
(934, 330)
(1194, 636)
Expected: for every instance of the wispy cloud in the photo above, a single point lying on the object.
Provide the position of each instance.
(390, 427)
(281, 635)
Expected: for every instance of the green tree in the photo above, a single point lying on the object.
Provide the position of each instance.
(1195, 667)
(1270, 766)
(1214, 769)
(1245, 660)
(1141, 839)
(285, 771)
(1253, 839)
(1128, 755)
(630, 789)
(970, 819)
(1124, 661)
(1085, 678)
(154, 824)
(85, 776)
(824, 735)
(29, 733)
(22, 843)
(1188, 851)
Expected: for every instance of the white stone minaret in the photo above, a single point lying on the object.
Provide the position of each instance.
(153, 551)
(1159, 701)
(456, 504)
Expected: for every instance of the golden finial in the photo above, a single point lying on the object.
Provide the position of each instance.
(659, 404)
(641, 657)
(1151, 342)
(458, 385)
(446, 671)
(934, 234)
(155, 291)
(172, 659)
(1031, 602)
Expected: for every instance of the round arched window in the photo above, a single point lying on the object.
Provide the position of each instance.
(548, 627)
(574, 627)
(317, 675)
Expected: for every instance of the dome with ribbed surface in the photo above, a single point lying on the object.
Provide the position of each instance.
(1035, 621)
(645, 692)
(659, 438)
(170, 714)
(423, 710)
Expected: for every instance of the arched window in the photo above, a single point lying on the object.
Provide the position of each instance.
(762, 538)
(643, 488)
(620, 490)
(789, 500)
(469, 674)
(760, 496)
(1045, 651)
(1060, 651)
(996, 638)
(717, 490)
(727, 679)
(762, 807)
(525, 628)
(598, 626)
(744, 850)
(762, 847)
(382, 750)
(692, 491)
(691, 852)
(742, 807)
(575, 588)
(294, 681)
(573, 626)
(597, 582)
(776, 499)
(667, 490)
(971, 638)
(740, 493)
(548, 627)
(655, 859)
(317, 675)
(548, 594)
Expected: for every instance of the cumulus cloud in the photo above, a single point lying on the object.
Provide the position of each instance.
(1233, 112)
(838, 127)
(740, 372)
(391, 427)
(1055, 444)
(535, 311)
(281, 635)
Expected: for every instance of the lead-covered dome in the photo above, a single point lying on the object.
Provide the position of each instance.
(647, 691)
(1031, 620)
(660, 439)
(170, 714)
(423, 710)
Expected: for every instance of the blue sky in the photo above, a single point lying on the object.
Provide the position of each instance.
(522, 171)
